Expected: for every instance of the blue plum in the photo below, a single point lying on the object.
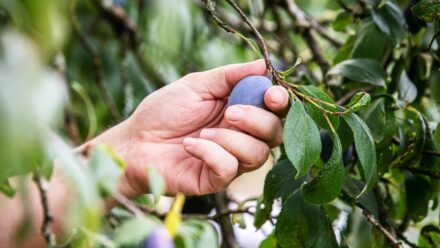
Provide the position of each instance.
(250, 91)
(348, 155)
(327, 148)
(159, 238)
(119, 2)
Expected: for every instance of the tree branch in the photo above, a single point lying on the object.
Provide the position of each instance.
(419, 171)
(394, 242)
(344, 99)
(260, 41)
(128, 204)
(46, 231)
(431, 43)
(305, 27)
(221, 205)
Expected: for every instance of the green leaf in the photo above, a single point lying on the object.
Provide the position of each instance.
(361, 70)
(327, 185)
(303, 225)
(7, 189)
(345, 51)
(390, 20)
(429, 236)
(365, 148)
(90, 109)
(343, 19)
(419, 192)
(196, 234)
(314, 112)
(291, 69)
(279, 183)
(262, 212)
(155, 182)
(87, 205)
(427, 10)
(105, 170)
(357, 102)
(269, 242)
(413, 138)
(375, 119)
(353, 187)
(390, 127)
(368, 35)
(437, 137)
(133, 231)
(407, 89)
(434, 86)
(301, 139)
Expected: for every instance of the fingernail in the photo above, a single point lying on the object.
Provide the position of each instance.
(189, 142)
(277, 97)
(234, 113)
(207, 134)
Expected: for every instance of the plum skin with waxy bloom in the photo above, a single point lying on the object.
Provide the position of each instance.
(159, 238)
(250, 91)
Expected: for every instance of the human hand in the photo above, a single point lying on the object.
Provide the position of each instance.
(187, 132)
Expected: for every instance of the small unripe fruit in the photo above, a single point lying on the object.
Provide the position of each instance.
(250, 91)
(159, 238)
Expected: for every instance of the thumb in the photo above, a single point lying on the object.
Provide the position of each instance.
(218, 82)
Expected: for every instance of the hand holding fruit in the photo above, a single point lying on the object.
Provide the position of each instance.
(187, 131)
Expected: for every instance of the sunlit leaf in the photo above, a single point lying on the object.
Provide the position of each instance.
(357, 102)
(427, 10)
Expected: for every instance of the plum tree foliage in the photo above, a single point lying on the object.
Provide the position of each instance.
(360, 163)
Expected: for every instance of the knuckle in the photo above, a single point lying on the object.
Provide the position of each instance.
(261, 155)
(264, 154)
(191, 76)
(230, 170)
(278, 136)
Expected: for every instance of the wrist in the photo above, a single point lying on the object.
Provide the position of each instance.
(117, 138)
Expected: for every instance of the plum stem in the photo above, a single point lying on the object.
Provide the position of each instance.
(261, 44)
